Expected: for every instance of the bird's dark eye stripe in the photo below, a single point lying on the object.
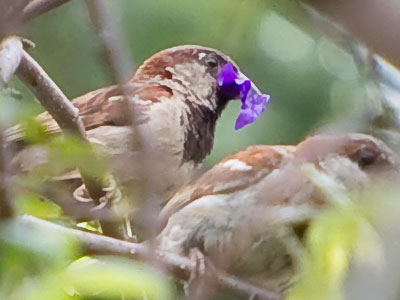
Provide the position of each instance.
(365, 157)
(211, 61)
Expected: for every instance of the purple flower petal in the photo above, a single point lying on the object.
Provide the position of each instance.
(235, 84)
(227, 74)
(244, 85)
(252, 107)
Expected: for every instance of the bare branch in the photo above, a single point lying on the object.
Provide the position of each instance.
(97, 244)
(57, 104)
(50, 96)
(381, 78)
(10, 17)
(373, 22)
(36, 8)
(6, 208)
(116, 54)
(118, 59)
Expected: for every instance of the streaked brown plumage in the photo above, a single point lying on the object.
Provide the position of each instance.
(244, 212)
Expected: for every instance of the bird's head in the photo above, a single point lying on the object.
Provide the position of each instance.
(354, 159)
(191, 69)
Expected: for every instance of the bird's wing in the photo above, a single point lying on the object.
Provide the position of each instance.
(101, 107)
(232, 174)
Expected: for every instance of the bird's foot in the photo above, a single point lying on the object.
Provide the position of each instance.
(197, 272)
(112, 193)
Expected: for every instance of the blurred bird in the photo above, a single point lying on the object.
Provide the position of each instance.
(249, 212)
(175, 100)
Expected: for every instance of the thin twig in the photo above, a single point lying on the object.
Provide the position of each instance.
(36, 8)
(374, 24)
(10, 17)
(119, 62)
(103, 17)
(98, 244)
(6, 208)
(322, 24)
(57, 104)
(380, 77)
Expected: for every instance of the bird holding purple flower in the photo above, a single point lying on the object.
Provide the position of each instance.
(176, 96)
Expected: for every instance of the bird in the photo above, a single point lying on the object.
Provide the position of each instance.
(165, 129)
(249, 213)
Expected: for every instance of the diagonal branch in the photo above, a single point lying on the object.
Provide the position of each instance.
(49, 95)
(103, 16)
(97, 244)
(57, 104)
(374, 22)
(36, 8)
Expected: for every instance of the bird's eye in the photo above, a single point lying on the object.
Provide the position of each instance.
(365, 157)
(211, 61)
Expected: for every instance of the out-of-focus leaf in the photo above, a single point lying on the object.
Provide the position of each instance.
(113, 277)
(48, 245)
(333, 239)
(32, 204)
(49, 287)
(30, 261)
(61, 155)
(336, 61)
(91, 226)
(343, 232)
(276, 34)
(32, 131)
(69, 151)
(333, 189)
(8, 105)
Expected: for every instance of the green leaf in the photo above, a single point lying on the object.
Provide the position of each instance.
(47, 245)
(32, 204)
(337, 235)
(113, 277)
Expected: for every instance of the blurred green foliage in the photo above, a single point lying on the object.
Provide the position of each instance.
(33, 204)
(42, 264)
(333, 240)
(345, 232)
